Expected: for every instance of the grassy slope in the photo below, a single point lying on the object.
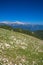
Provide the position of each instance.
(37, 34)
(20, 49)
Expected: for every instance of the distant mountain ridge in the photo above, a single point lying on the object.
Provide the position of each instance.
(25, 26)
(37, 33)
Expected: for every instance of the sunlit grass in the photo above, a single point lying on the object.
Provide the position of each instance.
(20, 49)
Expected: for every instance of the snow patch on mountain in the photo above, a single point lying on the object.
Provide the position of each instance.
(17, 22)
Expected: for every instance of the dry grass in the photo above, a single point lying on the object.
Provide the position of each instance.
(20, 49)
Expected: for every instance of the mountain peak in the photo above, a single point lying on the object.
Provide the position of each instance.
(17, 22)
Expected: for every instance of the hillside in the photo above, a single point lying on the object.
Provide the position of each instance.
(38, 33)
(20, 49)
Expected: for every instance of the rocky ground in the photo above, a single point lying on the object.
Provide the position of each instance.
(20, 49)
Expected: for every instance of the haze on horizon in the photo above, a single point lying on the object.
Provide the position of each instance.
(28, 11)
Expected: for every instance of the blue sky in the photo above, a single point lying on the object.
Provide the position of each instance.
(30, 11)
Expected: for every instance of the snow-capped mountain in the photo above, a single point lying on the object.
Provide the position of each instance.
(26, 26)
(17, 22)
